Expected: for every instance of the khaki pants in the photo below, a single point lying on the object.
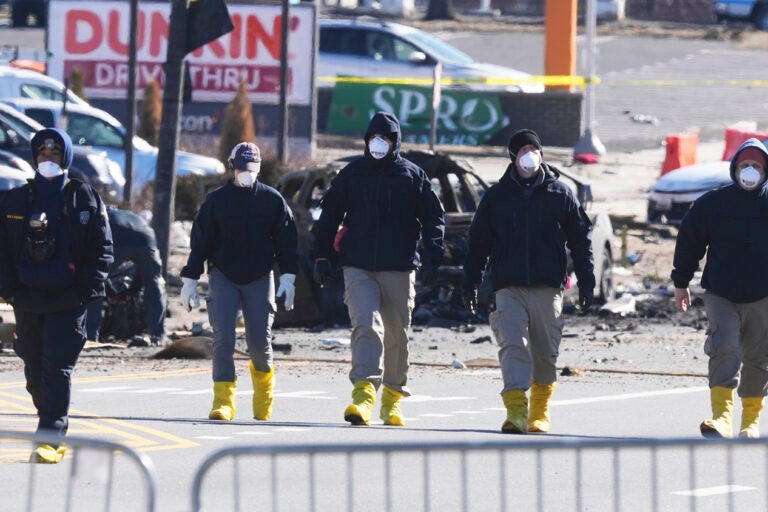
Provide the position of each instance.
(527, 325)
(737, 345)
(380, 306)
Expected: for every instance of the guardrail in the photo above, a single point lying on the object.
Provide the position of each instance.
(94, 475)
(558, 475)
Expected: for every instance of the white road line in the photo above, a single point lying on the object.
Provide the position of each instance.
(291, 429)
(111, 389)
(252, 433)
(714, 491)
(468, 412)
(214, 438)
(628, 396)
(435, 415)
(194, 392)
(156, 390)
(427, 398)
(306, 394)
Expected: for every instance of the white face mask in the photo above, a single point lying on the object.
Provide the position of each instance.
(49, 169)
(529, 163)
(378, 148)
(750, 178)
(245, 179)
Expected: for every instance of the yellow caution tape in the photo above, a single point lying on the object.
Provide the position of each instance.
(549, 80)
(561, 80)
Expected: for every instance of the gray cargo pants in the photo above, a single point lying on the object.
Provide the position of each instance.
(257, 300)
(380, 306)
(737, 343)
(528, 327)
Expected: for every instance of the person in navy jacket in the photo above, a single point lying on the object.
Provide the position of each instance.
(730, 226)
(521, 230)
(55, 252)
(386, 206)
(241, 230)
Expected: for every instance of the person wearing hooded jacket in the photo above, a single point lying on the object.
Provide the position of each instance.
(386, 205)
(55, 252)
(730, 226)
(522, 225)
(241, 230)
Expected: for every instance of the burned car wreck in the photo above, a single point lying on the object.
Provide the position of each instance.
(460, 190)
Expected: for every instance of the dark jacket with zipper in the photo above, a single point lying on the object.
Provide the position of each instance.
(386, 206)
(525, 230)
(76, 272)
(730, 226)
(243, 232)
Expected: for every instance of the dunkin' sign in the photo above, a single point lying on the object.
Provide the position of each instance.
(94, 36)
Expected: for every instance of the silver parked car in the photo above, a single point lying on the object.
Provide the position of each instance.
(93, 127)
(674, 192)
(375, 49)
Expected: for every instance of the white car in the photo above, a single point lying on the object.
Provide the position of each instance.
(24, 83)
(89, 126)
(674, 192)
(374, 49)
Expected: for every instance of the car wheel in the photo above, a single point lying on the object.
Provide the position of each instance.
(606, 278)
(760, 18)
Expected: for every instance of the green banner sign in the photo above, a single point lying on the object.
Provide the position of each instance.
(463, 118)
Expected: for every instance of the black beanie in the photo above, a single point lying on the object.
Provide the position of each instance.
(521, 138)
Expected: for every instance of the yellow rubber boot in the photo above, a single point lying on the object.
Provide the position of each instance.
(517, 412)
(750, 416)
(47, 454)
(223, 401)
(722, 412)
(538, 417)
(263, 387)
(363, 398)
(390, 407)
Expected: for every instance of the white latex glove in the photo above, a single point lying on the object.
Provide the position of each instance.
(288, 289)
(189, 296)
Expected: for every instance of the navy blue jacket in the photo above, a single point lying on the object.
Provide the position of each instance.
(84, 252)
(243, 232)
(525, 233)
(730, 225)
(386, 206)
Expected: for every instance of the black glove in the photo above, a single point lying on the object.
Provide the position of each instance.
(429, 275)
(322, 273)
(470, 299)
(586, 297)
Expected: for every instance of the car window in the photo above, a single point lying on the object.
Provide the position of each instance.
(443, 51)
(17, 124)
(342, 41)
(461, 193)
(91, 131)
(41, 115)
(40, 92)
(290, 189)
(475, 184)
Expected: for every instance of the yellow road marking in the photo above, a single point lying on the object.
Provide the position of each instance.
(88, 423)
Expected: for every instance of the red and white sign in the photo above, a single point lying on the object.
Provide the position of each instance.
(93, 36)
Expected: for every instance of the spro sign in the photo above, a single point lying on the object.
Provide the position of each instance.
(465, 118)
(94, 35)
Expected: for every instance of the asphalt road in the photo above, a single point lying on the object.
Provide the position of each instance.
(160, 408)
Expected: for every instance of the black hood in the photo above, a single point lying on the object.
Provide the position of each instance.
(386, 124)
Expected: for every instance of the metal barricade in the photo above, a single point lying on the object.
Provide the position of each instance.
(531, 474)
(94, 475)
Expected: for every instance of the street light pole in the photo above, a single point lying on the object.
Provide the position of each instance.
(590, 144)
